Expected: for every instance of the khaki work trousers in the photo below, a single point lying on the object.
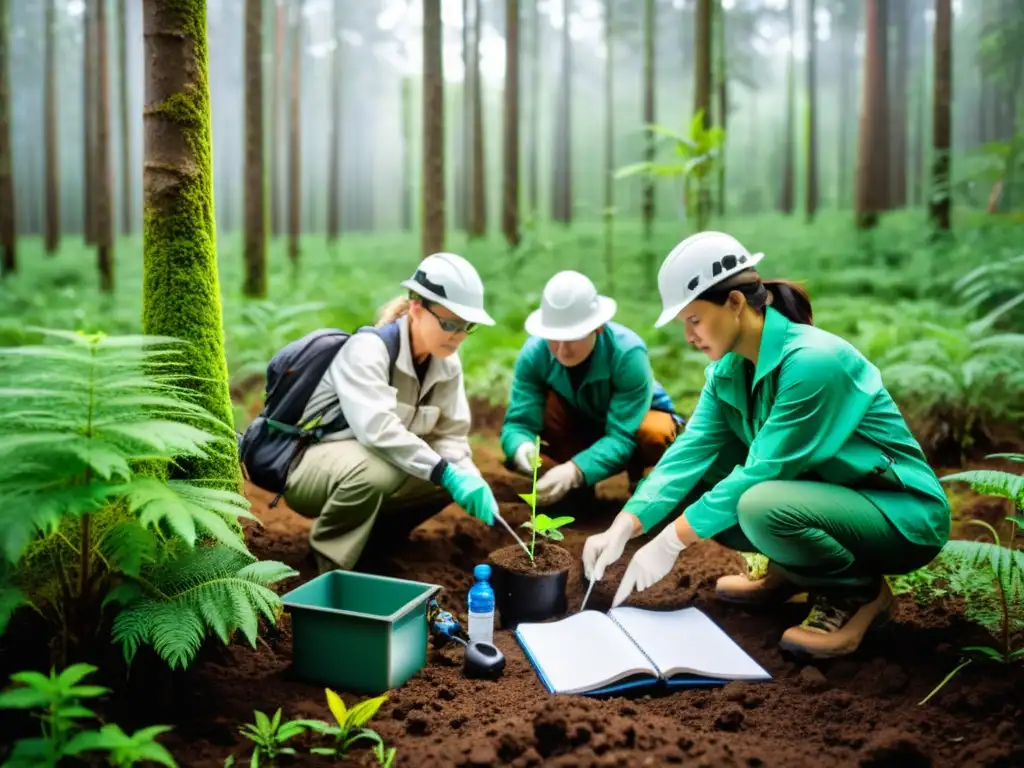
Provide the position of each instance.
(358, 501)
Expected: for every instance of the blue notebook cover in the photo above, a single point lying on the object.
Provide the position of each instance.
(688, 643)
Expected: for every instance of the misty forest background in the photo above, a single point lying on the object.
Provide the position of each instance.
(872, 148)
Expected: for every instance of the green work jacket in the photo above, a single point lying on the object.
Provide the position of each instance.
(617, 391)
(819, 412)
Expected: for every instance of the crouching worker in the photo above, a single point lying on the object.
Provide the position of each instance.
(795, 450)
(404, 454)
(584, 384)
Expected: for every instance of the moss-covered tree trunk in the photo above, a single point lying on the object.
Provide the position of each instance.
(811, 167)
(295, 137)
(510, 184)
(334, 132)
(104, 178)
(942, 99)
(255, 283)
(8, 242)
(873, 146)
(181, 290)
(432, 204)
(51, 128)
(127, 188)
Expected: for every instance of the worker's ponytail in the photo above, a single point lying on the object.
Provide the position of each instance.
(393, 310)
(791, 300)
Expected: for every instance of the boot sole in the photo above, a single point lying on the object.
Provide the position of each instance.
(882, 619)
(773, 598)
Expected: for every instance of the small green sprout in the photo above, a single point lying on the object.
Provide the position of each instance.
(542, 524)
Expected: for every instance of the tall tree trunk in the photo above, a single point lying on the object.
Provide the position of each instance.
(8, 234)
(255, 283)
(127, 188)
(52, 129)
(723, 97)
(478, 196)
(181, 290)
(787, 194)
(104, 174)
(873, 144)
(89, 115)
(844, 47)
(535, 66)
(562, 167)
(334, 133)
(277, 172)
(433, 225)
(812, 114)
(647, 205)
(407, 173)
(899, 100)
(702, 94)
(463, 176)
(609, 147)
(939, 207)
(295, 136)
(510, 204)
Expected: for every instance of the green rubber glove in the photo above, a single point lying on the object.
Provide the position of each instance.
(471, 493)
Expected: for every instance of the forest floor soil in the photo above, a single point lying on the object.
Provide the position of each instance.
(857, 711)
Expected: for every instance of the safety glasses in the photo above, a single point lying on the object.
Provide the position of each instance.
(449, 324)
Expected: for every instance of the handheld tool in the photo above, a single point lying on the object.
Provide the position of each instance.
(515, 536)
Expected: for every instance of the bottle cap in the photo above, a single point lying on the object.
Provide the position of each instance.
(482, 572)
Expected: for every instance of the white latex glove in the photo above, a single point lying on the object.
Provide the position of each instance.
(524, 456)
(557, 482)
(650, 564)
(603, 549)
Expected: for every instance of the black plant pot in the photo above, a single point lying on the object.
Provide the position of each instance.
(525, 595)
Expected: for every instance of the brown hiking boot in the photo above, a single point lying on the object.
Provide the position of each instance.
(836, 626)
(772, 587)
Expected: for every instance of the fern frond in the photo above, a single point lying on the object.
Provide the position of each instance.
(211, 589)
(127, 547)
(184, 508)
(11, 598)
(992, 482)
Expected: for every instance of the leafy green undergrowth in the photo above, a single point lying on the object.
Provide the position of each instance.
(96, 540)
(890, 292)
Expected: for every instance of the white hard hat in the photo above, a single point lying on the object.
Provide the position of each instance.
(570, 308)
(694, 265)
(451, 281)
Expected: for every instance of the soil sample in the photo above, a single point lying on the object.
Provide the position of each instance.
(530, 591)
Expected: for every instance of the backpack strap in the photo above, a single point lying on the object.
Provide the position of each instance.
(390, 334)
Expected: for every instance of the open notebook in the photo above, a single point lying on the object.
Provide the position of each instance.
(593, 653)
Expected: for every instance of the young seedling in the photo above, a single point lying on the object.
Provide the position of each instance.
(542, 524)
(991, 567)
(349, 727)
(268, 735)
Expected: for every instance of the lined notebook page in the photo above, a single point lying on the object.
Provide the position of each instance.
(687, 641)
(582, 652)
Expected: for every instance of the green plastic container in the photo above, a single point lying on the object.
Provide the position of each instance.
(359, 632)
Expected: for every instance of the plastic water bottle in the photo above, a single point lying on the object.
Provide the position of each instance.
(481, 607)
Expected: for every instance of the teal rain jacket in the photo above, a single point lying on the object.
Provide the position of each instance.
(618, 391)
(821, 413)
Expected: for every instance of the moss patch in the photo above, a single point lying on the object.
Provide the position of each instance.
(181, 289)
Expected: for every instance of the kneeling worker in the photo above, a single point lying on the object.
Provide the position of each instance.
(585, 385)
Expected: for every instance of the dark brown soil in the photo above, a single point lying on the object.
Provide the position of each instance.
(547, 559)
(859, 711)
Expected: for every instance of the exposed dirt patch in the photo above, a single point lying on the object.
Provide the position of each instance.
(546, 559)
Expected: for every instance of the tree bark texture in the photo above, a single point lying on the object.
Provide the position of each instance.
(463, 160)
(295, 136)
(510, 183)
(787, 193)
(181, 291)
(845, 51)
(723, 98)
(104, 187)
(939, 205)
(900, 99)
(127, 193)
(8, 234)
(647, 204)
(52, 128)
(812, 115)
(433, 208)
(873, 144)
(89, 114)
(334, 133)
(478, 196)
(255, 253)
(277, 168)
(561, 202)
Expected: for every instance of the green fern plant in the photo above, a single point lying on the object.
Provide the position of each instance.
(90, 523)
(988, 572)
